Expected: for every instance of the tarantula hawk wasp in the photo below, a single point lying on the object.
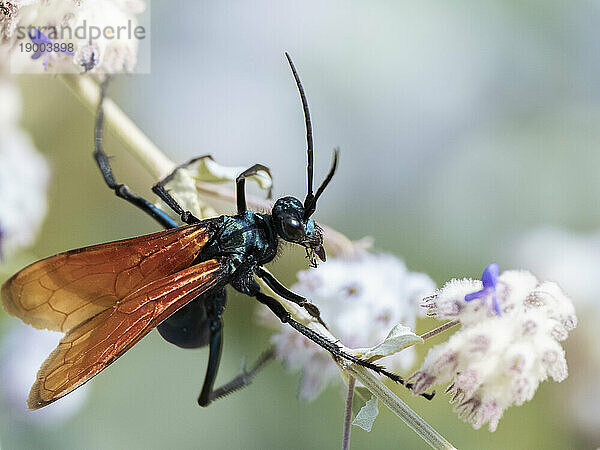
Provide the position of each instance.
(106, 297)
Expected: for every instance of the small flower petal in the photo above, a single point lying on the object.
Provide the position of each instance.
(490, 275)
(489, 279)
(37, 37)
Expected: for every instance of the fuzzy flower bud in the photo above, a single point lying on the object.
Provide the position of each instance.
(508, 343)
(24, 176)
(89, 35)
(360, 299)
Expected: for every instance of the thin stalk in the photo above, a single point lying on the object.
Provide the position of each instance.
(348, 416)
(134, 140)
(439, 329)
(397, 406)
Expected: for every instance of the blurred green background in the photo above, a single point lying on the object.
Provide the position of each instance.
(461, 125)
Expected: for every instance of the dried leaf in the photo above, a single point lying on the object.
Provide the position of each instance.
(182, 185)
(361, 397)
(398, 339)
(367, 415)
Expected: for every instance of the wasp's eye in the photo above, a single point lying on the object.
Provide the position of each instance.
(293, 228)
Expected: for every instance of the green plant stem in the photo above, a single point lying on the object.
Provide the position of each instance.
(439, 329)
(348, 414)
(397, 406)
(134, 140)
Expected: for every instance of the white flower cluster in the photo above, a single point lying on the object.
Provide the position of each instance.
(360, 299)
(115, 53)
(24, 175)
(22, 351)
(496, 361)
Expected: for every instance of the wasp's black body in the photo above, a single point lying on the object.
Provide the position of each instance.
(242, 244)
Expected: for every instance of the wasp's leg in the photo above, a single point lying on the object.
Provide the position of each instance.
(284, 292)
(333, 348)
(240, 183)
(122, 190)
(160, 190)
(214, 309)
(169, 177)
(244, 378)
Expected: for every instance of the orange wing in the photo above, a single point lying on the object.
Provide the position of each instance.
(63, 291)
(93, 345)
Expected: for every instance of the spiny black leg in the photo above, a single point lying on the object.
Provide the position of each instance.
(214, 309)
(214, 358)
(186, 216)
(121, 190)
(160, 190)
(323, 342)
(240, 183)
(331, 347)
(244, 378)
(284, 292)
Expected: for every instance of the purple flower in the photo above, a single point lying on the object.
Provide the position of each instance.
(489, 278)
(89, 64)
(44, 45)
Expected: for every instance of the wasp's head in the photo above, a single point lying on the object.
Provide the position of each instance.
(291, 216)
(292, 226)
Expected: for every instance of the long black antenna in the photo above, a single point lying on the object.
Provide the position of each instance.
(309, 136)
(309, 207)
(310, 203)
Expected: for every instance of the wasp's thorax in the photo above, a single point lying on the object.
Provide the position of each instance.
(291, 226)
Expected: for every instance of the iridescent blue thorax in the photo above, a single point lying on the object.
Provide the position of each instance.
(248, 237)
